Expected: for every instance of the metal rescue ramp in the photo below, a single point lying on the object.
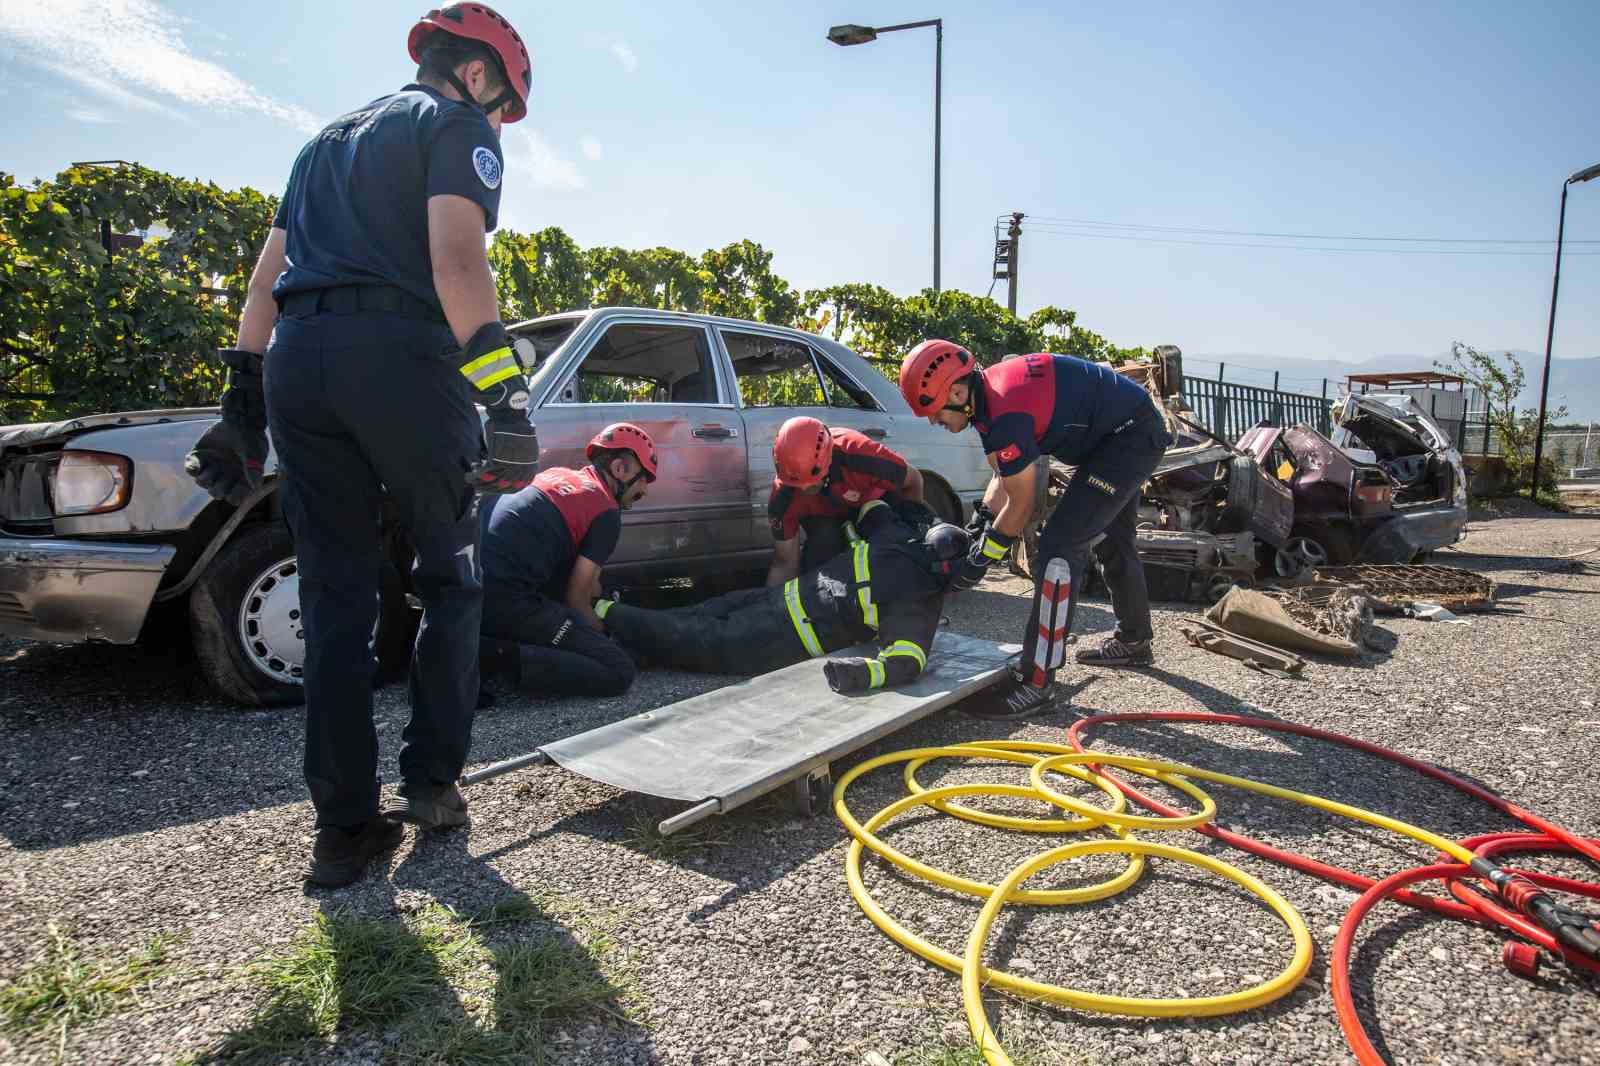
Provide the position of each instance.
(722, 749)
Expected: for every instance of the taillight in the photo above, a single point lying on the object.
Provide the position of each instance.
(90, 482)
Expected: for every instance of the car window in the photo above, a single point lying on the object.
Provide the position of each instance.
(645, 363)
(842, 391)
(774, 372)
(538, 341)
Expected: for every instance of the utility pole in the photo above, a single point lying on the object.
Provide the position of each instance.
(1015, 233)
(1005, 258)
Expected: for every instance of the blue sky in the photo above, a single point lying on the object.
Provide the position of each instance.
(693, 125)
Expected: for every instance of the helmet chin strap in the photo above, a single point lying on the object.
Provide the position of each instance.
(619, 488)
(467, 98)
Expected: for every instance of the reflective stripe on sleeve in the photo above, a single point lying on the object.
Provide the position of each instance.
(797, 615)
(993, 549)
(874, 673)
(489, 370)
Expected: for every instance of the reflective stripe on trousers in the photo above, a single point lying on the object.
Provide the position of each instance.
(797, 615)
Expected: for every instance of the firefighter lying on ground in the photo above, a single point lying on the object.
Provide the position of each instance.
(888, 587)
(543, 549)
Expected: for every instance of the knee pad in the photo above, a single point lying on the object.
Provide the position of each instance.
(1044, 646)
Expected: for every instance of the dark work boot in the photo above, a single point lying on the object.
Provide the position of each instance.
(1113, 651)
(430, 806)
(340, 856)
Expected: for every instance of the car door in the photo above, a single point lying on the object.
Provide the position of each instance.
(661, 376)
(778, 378)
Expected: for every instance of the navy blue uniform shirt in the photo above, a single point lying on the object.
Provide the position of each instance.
(356, 207)
(531, 539)
(1058, 405)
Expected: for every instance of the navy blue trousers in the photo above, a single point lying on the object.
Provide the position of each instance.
(360, 405)
(1103, 498)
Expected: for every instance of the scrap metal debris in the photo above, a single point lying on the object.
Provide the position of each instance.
(1393, 588)
(1334, 610)
(1252, 614)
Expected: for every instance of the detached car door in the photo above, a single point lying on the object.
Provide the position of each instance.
(659, 375)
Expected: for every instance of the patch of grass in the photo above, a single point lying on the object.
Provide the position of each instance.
(432, 985)
(62, 989)
(641, 834)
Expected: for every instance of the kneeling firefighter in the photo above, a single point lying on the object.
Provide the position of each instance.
(1088, 416)
(889, 587)
(543, 550)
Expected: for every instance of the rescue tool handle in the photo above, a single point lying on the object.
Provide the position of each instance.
(719, 432)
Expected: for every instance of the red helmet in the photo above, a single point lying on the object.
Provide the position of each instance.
(627, 437)
(928, 372)
(801, 452)
(479, 22)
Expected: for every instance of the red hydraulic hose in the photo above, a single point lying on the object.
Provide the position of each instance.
(1467, 905)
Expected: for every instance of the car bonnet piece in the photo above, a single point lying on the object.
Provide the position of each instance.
(740, 742)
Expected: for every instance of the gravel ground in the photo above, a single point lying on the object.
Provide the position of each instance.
(132, 803)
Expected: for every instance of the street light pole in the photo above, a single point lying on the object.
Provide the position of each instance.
(1550, 331)
(850, 34)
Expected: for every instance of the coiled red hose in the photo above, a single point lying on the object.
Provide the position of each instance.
(1467, 904)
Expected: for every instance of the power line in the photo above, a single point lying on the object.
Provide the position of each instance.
(1287, 236)
(1288, 247)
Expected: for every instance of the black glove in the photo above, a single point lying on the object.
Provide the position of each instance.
(987, 549)
(847, 675)
(981, 517)
(510, 455)
(916, 514)
(228, 458)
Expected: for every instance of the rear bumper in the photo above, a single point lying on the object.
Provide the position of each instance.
(76, 591)
(1410, 532)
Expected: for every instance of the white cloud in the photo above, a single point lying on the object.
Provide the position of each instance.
(591, 148)
(129, 52)
(532, 162)
(84, 114)
(625, 56)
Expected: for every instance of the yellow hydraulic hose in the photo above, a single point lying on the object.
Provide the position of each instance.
(1044, 759)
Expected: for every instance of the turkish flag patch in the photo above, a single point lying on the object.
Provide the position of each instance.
(1010, 453)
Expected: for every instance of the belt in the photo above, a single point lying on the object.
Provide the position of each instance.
(352, 299)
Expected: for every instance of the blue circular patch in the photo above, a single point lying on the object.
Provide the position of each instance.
(487, 164)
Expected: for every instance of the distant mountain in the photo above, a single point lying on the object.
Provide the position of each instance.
(1573, 382)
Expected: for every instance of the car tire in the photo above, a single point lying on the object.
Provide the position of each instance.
(1244, 495)
(941, 500)
(244, 591)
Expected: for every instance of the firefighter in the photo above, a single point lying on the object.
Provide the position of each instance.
(888, 587)
(1091, 418)
(823, 476)
(543, 550)
(384, 332)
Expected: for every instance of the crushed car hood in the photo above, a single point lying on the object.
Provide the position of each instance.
(29, 433)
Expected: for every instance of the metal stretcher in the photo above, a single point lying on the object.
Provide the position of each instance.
(722, 749)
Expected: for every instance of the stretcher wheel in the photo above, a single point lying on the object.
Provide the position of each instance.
(809, 794)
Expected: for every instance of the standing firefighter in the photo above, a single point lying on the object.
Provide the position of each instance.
(387, 332)
(823, 476)
(1089, 417)
(543, 549)
(888, 588)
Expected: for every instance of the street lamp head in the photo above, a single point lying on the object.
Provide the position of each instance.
(1583, 175)
(850, 33)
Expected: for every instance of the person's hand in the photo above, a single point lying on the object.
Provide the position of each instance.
(510, 455)
(228, 459)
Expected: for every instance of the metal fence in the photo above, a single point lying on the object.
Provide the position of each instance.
(1228, 409)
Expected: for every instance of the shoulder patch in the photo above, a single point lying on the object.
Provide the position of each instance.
(487, 164)
(1009, 453)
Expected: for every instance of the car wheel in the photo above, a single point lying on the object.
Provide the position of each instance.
(1297, 555)
(941, 500)
(246, 623)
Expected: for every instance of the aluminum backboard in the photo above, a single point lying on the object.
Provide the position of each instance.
(737, 742)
